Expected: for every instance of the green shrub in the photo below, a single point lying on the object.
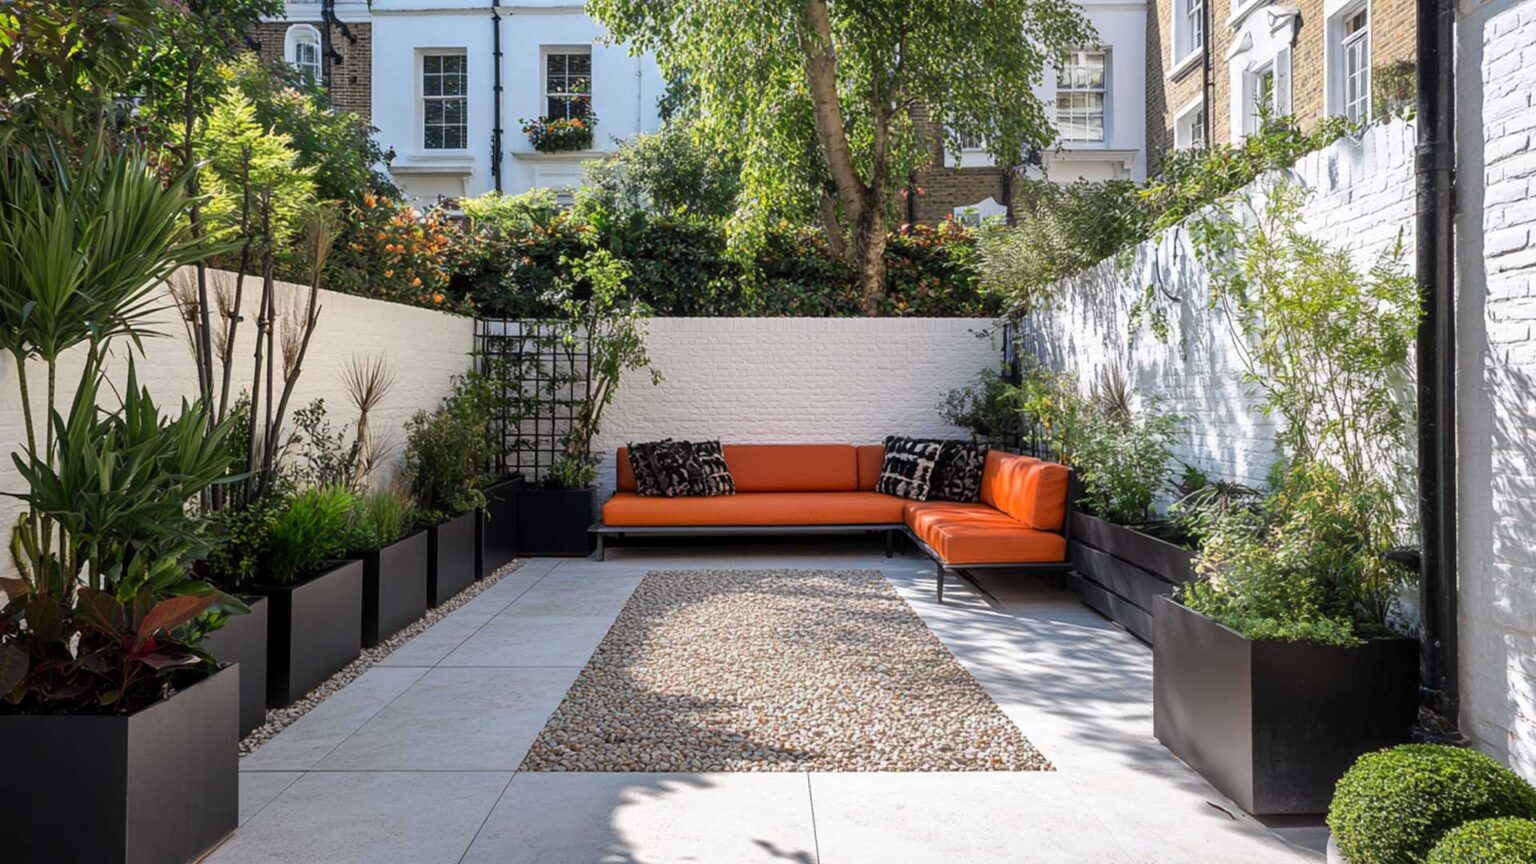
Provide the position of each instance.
(311, 528)
(376, 519)
(1394, 805)
(987, 407)
(1488, 841)
(447, 453)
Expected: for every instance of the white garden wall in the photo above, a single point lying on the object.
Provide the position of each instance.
(424, 349)
(794, 380)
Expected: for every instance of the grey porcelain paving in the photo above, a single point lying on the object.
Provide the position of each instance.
(368, 818)
(317, 733)
(259, 788)
(516, 638)
(471, 719)
(652, 818)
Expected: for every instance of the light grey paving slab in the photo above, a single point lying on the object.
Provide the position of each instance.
(576, 598)
(438, 641)
(305, 743)
(956, 818)
(259, 788)
(464, 719)
(652, 818)
(514, 639)
(368, 818)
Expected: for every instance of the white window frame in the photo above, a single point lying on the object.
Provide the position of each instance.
(1336, 62)
(1187, 32)
(304, 35)
(1105, 89)
(1189, 125)
(1278, 68)
(422, 99)
(545, 94)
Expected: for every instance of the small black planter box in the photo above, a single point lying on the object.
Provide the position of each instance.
(243, 640)
(1120, 571)
(315, 628)
(498, 526)
(452, 550)
(1274, 725)
(555, 521)
(394, 587)
(155, 787)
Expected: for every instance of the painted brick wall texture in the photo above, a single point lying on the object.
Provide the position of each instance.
(424, 349)
(1496, 239)
(796, 380)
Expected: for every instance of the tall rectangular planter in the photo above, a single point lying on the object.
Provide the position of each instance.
(315, 629)
(1273, 725)
(1120, 572)
(452, 553)
(160, 786)
(394, 587)
(555, 521)
(243, 640)
(498, 525)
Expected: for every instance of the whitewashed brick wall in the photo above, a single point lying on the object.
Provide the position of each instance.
(796, 380)
(1361, 198)
(424, 348)
(1496, 239)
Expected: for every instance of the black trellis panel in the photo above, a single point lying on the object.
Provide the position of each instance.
(540, 370)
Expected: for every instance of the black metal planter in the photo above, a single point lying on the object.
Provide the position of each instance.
(156, 787)
(498, 526)
(1120, 572)
(315, 629)
(452, 554)
(243, 640)
(394, 587)
(555, 521)
(1273, 725)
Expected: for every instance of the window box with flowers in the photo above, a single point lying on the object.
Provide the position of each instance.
(560, 134)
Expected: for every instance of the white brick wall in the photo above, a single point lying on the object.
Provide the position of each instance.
(425, 349)
(1361, 198)
(1496, 238)
(792, 380)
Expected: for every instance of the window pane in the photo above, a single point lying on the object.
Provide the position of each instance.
(580, 65)
(453, 85)
(454, 64)
(434, 138)
(431, 64)
(432, 85)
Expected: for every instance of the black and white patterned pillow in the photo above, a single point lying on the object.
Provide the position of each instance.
(957, 476)
(659, 468)
(907, 471)
(708, 474)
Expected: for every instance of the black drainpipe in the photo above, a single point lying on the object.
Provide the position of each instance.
(1434, 168)
(1205, 73)
(496, 93)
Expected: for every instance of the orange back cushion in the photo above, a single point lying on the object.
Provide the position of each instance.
(793, 467)
(871, 459)
(624, 473)
(1029, 490)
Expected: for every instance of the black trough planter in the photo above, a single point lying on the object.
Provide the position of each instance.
(160, 786)
(452, 553)
(555, 521)
(243, 640)
(1120, 572)
(394, 587)
(1274, 725)
(315, 628)
(498, 526)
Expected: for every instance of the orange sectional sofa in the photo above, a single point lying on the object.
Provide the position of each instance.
(1021, 520)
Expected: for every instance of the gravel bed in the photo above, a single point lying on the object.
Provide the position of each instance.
(279, 719)
(776, 670)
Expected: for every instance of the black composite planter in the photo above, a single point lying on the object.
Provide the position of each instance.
(160, 786)
(1121, 572)
(315, 628)
(243, 640)
(452, 555)
(394, 587)
(555, 521)
(498, 526)
(1274, 725)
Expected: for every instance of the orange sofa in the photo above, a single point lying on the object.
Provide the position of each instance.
(826, 488)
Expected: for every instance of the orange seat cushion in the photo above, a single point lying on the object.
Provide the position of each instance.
(978, 534)
(1029, 490)
(774, 468)
(871, 459)
(755, 508)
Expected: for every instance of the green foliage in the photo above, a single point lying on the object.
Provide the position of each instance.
(250, 168)
(447, 452)
(1394, 89)
(242, 535)
(1203, 503)
(986, 408)
(1488, 841)
(1394, 805)
(1059, 230)
(310, 528)
(560, 134)
(667, 172)
(376, 519)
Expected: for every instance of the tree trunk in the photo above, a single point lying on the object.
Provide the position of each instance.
(869, 255)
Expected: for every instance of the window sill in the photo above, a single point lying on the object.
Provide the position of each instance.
(561, 156)
(1241, 13)
(1182, 67)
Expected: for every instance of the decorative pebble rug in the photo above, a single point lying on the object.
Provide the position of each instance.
(775, 670)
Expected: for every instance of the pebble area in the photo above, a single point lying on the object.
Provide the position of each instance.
(279, 719)
(776, 670)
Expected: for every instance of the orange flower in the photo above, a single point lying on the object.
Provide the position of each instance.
(389, 274)
(382, 235)
(436, 297)
(416, 283)
(369, 201)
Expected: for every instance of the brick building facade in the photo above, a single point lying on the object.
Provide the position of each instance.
(350, 79)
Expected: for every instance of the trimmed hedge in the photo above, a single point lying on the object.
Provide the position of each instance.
(1488, 841)
(1394, 805)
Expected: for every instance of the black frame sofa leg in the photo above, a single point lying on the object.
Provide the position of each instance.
(940, 580)
(602, 552)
